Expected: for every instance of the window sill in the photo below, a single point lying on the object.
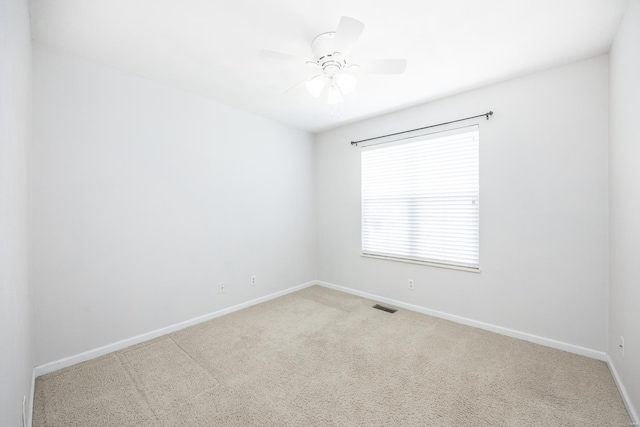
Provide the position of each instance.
(431, 264)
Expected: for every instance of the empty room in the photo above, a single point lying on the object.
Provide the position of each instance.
(339, 213)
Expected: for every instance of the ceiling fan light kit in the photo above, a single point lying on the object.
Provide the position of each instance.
(346, 83)
(330, 51)
(315, 86)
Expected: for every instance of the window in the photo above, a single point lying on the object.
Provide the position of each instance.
(420, 199)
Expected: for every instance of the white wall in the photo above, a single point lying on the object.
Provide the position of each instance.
(543, 208)
(624, 202)
(145, 198)
(15, 297)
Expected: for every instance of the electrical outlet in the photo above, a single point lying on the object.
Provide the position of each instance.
(253, 280)
(222, 291)
(622, 345)
(411, 286)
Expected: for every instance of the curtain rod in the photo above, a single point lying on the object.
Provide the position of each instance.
(487, 115)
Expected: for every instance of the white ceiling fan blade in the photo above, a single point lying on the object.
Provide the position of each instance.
(296, 88)
(313, 81)
(383, 66)
(347, 34)
(284, 57)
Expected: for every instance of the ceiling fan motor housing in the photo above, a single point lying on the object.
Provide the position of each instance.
(330, 61)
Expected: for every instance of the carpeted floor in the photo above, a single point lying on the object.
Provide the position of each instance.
(319, 357)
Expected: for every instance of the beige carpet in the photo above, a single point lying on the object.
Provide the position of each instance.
(320, 358)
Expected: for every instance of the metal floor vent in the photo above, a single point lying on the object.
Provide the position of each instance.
(383, 308)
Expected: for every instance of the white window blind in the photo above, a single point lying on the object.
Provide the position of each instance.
(420, 199)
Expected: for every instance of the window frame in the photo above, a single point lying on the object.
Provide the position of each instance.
(414, 138)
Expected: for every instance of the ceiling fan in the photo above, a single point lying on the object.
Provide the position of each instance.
(336, 72)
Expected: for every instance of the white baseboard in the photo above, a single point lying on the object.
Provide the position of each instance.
(101, 351)
(31, 398)
(110, 348)
(623, 392)
(571, 348)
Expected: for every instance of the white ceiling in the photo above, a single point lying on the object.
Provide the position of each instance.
(211, 47)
